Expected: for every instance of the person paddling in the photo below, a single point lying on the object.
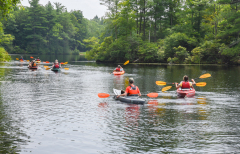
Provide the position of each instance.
(21, 58)
(131, 90)
(56, 64)
(185, 84)
(38, 59)
(32, 64)
(118, 69)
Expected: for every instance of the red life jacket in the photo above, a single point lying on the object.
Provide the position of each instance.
(185, 85)
(56, 65)
(133, 91)
(38, 60)
(118, 69)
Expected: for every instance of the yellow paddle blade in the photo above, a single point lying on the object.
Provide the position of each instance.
(205, 76)
(166, 88)
(161, 83)
(126, 62)
(45, 66)
(66, 63)
(48, 68)
(66, 68)
(27, 60)
(201, 84)
(17, 58)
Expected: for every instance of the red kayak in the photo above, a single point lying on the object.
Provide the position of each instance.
(186, 92)
(119, 73)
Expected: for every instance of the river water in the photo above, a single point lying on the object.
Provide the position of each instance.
(60, 113)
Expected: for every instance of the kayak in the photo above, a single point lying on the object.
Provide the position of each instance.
(119, 73)
(128, 99)
(186, 92)
(38, 61)
(35, 67)
(56, 69)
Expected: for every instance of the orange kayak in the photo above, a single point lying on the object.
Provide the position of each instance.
(119, 73)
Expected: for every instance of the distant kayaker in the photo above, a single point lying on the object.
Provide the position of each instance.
(131, 90)
(185, 84)
(118, 69)
(38, 59)
(56, 64)
(21, 58)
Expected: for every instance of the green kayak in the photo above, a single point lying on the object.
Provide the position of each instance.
(56, 69)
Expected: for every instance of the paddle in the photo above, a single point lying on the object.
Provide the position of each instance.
(199, 84)
(17, 58)
(105, 95)
(207, 75)
(166, 88)
(162, 83)
(66, 68)
(31, 57)
(27, 60)
(126, 62)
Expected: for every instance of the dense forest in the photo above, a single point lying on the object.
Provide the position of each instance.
(173, 31)
(48, 29)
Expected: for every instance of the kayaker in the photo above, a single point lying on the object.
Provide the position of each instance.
(38, 59)
(118, 69)
(56, 64)
(21, 58)
(32, 64)
(185, 84)
(131, 90)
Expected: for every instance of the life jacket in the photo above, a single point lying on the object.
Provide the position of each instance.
(56, 65)
(185, 85)
(38, 60)
(34, 64)
(118, 69)
(133, 91)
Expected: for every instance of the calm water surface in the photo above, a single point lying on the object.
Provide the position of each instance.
(43, 112)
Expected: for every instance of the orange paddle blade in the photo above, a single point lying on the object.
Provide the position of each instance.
(45, 66)
(161, 83)
(62, 63)
(207, 75)
(201, 84)
(31, 57)
(166, 88)
(103, 95)
(126, 62)
(152, 95)
(47, 61)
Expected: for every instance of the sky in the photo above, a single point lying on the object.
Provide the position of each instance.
(90, 8)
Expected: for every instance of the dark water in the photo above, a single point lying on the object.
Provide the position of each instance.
(43, 112)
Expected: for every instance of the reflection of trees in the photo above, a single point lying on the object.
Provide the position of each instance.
(10, 134)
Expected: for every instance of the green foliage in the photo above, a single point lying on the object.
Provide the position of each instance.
(180, 54)
(197, 54)
(178, 39)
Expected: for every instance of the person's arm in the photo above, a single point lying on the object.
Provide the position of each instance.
(193, 82)
(139, 93)
(177, 85)
(124, 94)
